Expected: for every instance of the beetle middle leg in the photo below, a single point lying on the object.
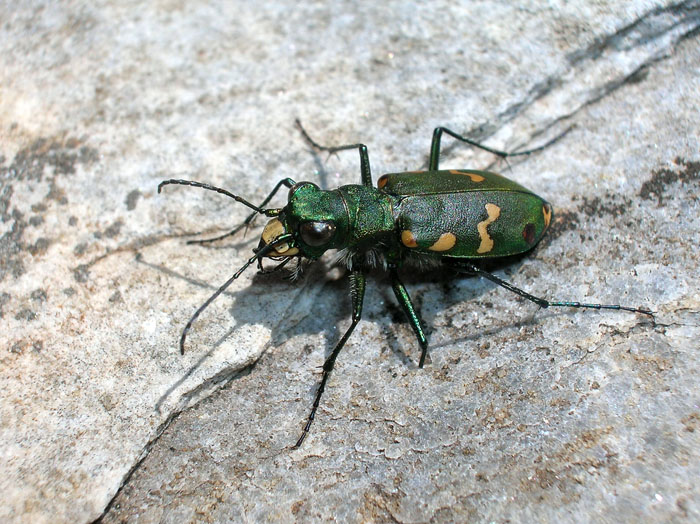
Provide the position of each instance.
(407, 306)
(471, 269)
(357, 293)
(437, 136)
(365, 171)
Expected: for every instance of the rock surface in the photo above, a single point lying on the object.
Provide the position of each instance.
(519, 415)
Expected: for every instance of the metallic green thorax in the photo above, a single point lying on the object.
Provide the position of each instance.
(363, 216)
(372, 215)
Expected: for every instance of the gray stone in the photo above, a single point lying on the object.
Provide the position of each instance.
(520, 414)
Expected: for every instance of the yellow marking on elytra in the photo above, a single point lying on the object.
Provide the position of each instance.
(493, 212)
(473, 176)
(382, 181)
(274, 229)
(547, 214)
(407, 239)
(445, 242)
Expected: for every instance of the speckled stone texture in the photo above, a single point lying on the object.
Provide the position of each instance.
(520, 414)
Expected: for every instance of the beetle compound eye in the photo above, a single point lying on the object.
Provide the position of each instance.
(316, 233)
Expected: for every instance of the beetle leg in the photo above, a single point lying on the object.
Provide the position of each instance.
(365, 171)
(437, 135)
(357, 294)
(405, 302)
(288, 182)
(544, 303)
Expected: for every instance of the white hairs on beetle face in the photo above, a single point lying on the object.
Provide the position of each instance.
(373, 258)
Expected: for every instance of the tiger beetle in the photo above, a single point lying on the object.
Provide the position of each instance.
(452, 218)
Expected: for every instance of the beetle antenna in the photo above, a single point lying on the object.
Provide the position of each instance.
(288, 182)
(261, 253)
(213, 188)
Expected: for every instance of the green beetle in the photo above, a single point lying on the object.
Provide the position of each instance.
(424, 218)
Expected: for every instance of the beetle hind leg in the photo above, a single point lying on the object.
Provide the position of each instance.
(542, 302)
(437, 136)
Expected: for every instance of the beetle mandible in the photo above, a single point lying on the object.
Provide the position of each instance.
(453, 218)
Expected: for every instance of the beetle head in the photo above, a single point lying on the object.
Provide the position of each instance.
(316, 219)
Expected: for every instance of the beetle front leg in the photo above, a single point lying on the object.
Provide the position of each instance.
(405, 302)
(357, 294)
(365, 171)
(287, 182)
